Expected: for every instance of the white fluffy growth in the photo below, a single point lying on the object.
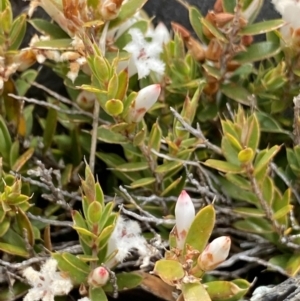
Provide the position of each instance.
(47, 283)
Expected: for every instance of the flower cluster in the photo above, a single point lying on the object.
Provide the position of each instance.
(126, 237)
(145, 56)
(47, 283)
(215, 252)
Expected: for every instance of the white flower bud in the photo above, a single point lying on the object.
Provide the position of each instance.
(161, 34)
(98, 277)
(184, 215)
(145, 99)
(86, 100)
(215, 253)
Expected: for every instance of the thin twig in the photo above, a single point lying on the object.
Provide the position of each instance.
(152, 219)
(296, 125)
(49, 221)
(72, 195)
(45, 104)
(196, 132)
(264, 263)
(94, 135)
(23, 264)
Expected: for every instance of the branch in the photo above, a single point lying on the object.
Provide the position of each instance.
(196, 132)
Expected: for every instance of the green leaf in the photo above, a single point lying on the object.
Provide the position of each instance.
(125, 281)
(293, 265)
(84, 232)
(194, 16)
(94, 212)
(267, 188)
(253, 133)
(23, 83)
(25, 224)
(123, 79)
(139, 138)
(237, 192)
(4, 225)
(265, 159)
(168, 167)
(131, 167)
(174, 184)
(239, 181)
(257, 52)
(249, 212)
(142, 182)
(14, 152)
(103, 238)
(17, 32)
(48, 28)
(230, 150)
(5, 139)
(13, 249)
(224, 290)
(262, 27)
(237, 93)
(68, 265)
(97, 294)
(246, 155)
(78, 220)
(269, 124)
(76, 262)
(22, 160)
(107, 212)
(99, 194)
(114, 107)
(283, 212)
(18, 290)
(223, 166)
(60, 44)
(194, 292)
(170, 271)
(128, 9)
(201, 228)
(108, 136)
(229, 6)
(50, 128)
(281, 202)
(254, 225)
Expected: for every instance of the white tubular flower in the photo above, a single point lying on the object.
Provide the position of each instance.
(47, 283)
(125, 238)
(160, 34)
(215, 253)
(144, 55)
(145, 99)
(184, 216)
(290, 11)
(98, 277)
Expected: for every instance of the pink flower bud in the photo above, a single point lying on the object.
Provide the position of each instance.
(184, 215)
(145, 99)
(215, 253)
(98, 277)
